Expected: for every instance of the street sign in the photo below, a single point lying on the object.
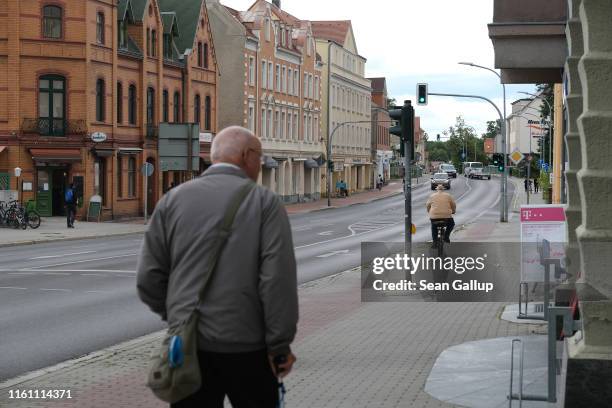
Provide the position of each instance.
(147, 169)
(516, 156)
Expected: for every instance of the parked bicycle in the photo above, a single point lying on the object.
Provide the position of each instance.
(13, 214)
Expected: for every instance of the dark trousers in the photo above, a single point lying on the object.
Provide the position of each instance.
(246, 378)
(450, 224)
(70, 214)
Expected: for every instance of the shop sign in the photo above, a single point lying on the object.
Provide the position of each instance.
(98, 137)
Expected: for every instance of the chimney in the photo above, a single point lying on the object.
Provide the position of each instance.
(276, 3)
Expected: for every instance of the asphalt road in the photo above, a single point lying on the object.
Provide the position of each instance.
(65, 299)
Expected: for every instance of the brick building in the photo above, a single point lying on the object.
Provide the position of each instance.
(270, 82)
(381, 142)
(83, 87)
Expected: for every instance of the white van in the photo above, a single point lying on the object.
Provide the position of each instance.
(470, 169)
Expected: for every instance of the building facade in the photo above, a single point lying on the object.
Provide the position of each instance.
(524, 128)
(381, 121)
(347, 97)
(271, 77)
(84, 87)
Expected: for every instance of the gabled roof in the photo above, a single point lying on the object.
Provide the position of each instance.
(124, 7)
(169, 22)
(138, 8)
(188, 14)
(335, 31)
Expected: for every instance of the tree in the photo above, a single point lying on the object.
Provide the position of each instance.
(391, 102)
(493, 128)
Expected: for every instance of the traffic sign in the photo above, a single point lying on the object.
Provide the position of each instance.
(147, 169)
(516, 156)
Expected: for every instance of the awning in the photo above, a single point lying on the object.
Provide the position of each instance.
(103, 152)
(129, 150)
(56, 155)
(311, 164)
(269, 163)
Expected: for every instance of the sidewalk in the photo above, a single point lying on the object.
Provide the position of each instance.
(394, 187)
(54, 229)
(350, 354)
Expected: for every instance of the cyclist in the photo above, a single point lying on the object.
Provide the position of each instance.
(441, 207)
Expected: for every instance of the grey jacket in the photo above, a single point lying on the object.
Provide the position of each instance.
(251, 300)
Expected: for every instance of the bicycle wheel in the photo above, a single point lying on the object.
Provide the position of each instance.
(33, 219)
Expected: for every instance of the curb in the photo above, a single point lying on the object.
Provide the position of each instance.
(125, 346)
(46, 241)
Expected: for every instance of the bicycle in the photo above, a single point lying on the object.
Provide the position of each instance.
(32, 216)
(439, 242)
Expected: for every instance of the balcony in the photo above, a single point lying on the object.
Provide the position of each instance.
(152, 131)
(53, 127)
(529, 40)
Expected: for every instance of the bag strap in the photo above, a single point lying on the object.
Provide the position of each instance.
(224, 233)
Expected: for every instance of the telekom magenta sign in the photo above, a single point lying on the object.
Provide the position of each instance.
(542, 214)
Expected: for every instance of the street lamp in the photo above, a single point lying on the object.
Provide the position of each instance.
(504, 183)
(551, 123)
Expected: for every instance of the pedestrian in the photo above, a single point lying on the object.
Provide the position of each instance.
(339, 188)
(248, 313)
(440, 207)
(530, 186)
(70, 203)
(344, 189)
(536, 186)
(380, 182)
(526, 185)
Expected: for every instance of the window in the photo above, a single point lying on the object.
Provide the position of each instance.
(267, 29)
(100, 28)
(132, 177)
(283, 36)
(284, 79)
(251, 119)
(305, 89)
(51, 105)
(276, 125)
(123, 35)
(270, 76)
(263, 123)
(52, 22)
(150, 105)
(290, 81)
(278, 78)
(166, 106)
(205, 51)
(154, 43)
(196, 109)
(316, 89)
(207, 113)
(100, 178)
(100, 100)
(119, 176)
(295, 127)
(316, 129)
(305, 130)
(148, 41)
(264, 74)
(283, 125)
(310, 89)
(296, 82)
(269, 123)
(289, 126)
(199, 55)
(251, 71)
(177, 107)
(119, 102)
(132, 104)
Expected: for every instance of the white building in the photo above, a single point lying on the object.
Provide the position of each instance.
(524, 128)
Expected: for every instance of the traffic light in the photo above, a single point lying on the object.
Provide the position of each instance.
(421, 94)
(404, 127)
(498, 161)
(438, 137)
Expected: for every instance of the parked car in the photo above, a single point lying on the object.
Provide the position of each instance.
(440, 178)
(472, 169)
(448, 169)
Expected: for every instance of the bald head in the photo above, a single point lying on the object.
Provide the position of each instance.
(238, 146)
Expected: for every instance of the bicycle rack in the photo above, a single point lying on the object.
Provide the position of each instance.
(569, 325)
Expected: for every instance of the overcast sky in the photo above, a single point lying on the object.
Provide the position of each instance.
(411, 41)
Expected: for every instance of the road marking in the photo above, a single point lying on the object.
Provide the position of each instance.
(97, 291)
(340, 252)
(56, 290)
(302, 228)
(21, 273)
(12, 287)
(56, 273)
(94, 274)
(62, 255)
(325, 233)
(84, 261)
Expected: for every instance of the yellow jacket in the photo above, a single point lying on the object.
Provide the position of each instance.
(441, 205)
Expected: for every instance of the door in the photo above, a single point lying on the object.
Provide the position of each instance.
(59, 181)
(44, 203)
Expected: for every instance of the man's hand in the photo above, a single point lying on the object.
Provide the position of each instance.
(284, 368)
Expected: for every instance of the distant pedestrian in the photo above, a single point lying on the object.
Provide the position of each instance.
(530, 186)
(526, 185)
(70, 201)
(344, 188)
(248, 312)
(380, 182)
(536, 185)
(339, 187)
